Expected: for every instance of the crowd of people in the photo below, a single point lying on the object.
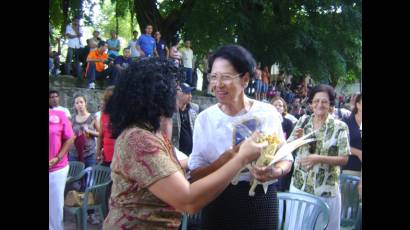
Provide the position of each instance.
(99, 59)
(167, 157)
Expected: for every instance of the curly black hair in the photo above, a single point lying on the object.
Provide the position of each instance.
(146, 91)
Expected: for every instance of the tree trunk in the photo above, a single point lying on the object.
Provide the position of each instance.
(333, 80)
(65, 6)
(116, 25)
(147, 13)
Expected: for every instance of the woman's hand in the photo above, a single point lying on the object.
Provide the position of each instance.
(309, 161)
(299, 133)
(52, 162)
(266, 173)
(250, 150)
(100, 155)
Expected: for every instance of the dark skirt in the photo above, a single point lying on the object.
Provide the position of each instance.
(235, 209)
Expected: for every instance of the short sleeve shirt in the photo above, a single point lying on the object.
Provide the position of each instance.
(99, 66)
(73, 42)
(215, 132)
(147, 44)
(332, 140)
(140, 159)
(59, 130)
(122, 61)
(161, 48)
(113, 43)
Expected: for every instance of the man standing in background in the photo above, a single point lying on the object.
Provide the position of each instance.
(74, 32)
(187, 60)
(147, 42)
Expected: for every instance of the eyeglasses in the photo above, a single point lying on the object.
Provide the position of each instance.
(225, 78)
(323, 101)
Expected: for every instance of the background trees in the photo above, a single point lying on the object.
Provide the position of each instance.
(322, 38)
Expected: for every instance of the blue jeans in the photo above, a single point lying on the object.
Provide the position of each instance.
(92, 73)
(264, 88)
(188, 75)
(116, 73)
(88, 160)
(258, 84)
(73, 54)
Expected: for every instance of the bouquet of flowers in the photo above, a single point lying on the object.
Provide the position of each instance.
(274, 152)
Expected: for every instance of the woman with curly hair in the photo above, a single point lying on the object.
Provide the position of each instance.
(149, 188)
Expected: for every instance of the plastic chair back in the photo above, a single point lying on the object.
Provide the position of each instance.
(97, 175)
(350, 199)
(301, 212)
(75, 168)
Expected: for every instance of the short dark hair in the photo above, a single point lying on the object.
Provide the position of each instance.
(146, 91)
(126, 48)
(186, 40)
(240, 58)
(101, 43)
(135, 31)
(174, 41)
(323, 88)
(52, 92)
(357, 100)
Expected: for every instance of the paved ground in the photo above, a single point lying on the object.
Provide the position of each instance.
(70, 223)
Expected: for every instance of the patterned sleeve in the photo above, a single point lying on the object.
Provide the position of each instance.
(146, 160)
(343, 140)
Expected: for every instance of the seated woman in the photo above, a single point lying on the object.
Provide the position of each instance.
(149, 188)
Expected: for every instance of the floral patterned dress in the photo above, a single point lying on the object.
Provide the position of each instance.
(140, 159)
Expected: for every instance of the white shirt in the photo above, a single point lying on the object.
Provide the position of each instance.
(187, 56)
(65, 110)
(292, 118)
(133, 48)
(180, 155)
(213, 132)
(74, 42)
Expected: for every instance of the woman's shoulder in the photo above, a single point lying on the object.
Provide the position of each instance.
(338, 123)
(140, 140)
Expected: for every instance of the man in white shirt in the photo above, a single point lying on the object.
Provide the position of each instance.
(74, 32)
(136, 51)
(54, 103)
(187, 60)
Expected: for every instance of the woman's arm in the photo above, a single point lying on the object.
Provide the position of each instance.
(67, 144)
(313, 159)
(177, 192)
(356, 152)
(100, 142)
(167, 51)
(201, 172)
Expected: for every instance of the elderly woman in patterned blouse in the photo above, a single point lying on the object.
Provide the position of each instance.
(317, 166)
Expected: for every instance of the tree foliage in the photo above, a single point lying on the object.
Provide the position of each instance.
(321, 38)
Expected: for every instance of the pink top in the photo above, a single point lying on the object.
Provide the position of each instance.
(59, 130)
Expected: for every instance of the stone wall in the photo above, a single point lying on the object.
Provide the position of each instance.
(68, 87)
